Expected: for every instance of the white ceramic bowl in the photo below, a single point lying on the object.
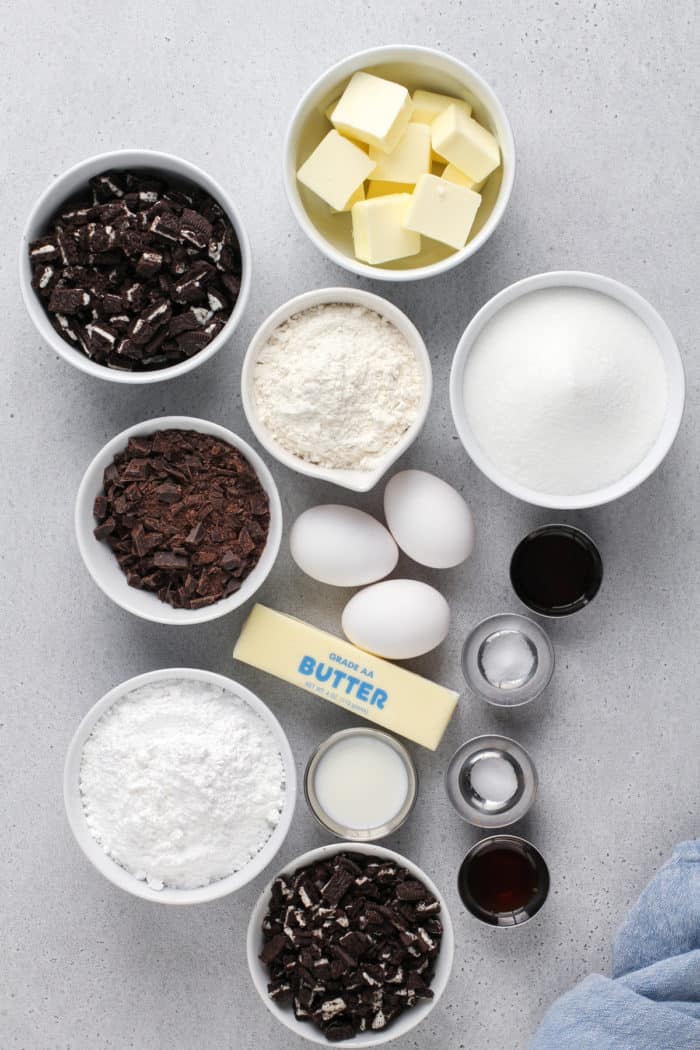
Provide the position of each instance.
(120, 876)
(72, 182)
(356, 480)
(674, 373)
(101, 562)
(408, 1020)
(414, 67)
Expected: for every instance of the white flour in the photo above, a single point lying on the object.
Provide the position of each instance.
(337, 385)
(565, 390)
(182, 783)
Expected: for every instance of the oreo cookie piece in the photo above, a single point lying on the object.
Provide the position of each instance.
(137, 274)
(351, 943)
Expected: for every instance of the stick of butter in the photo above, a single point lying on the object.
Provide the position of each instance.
(335, 670)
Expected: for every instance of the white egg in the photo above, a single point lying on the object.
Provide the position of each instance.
(397, 619)
(342, 546)
(428, 519)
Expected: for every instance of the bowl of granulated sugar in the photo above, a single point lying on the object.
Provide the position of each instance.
(567, 389)
(336, 384)
(179, 786)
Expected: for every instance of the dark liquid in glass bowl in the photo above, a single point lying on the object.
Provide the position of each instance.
(556, 570)
(503, 880)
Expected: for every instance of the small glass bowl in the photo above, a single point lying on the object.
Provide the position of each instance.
(481, 812)
(360, 834)
(522, 849)
(516, 695)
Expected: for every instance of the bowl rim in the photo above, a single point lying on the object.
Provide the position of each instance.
(113, 871)
(668, 349)
(169, 164)
(91, 484)
(355, 480)
(351, 64)
(415, 1015)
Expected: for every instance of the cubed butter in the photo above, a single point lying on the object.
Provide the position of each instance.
(335, 170)
(453, 174)
(442, 210)
(334, 670)
(408, 160)
(383, 189)
(378, 230)
(358, 195)
(464, 143)
(427, 105)
(373, 110)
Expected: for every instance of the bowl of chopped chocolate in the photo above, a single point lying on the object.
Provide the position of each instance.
(350, 944)
(134, 266)
(178, 520)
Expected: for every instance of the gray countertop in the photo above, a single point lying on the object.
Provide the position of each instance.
(603, 102)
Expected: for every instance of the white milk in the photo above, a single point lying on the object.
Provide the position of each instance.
(361, 782)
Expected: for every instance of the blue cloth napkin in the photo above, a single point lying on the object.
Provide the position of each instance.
(652, 1000)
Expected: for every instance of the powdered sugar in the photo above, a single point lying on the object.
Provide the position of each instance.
(182, 783)
(337, 385)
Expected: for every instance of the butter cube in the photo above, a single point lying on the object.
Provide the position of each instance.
(373, 110)
(442, 210)
(383, 189)
(453, 174)
(427, 105)
(335, 170)
(464, 143)
(378, 229)
(408, 160)
(358, 195)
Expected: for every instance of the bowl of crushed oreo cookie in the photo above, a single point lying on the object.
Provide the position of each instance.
(134, 266)
(350, 944)
(178, 520)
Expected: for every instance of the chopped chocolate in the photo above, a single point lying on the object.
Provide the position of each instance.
(320, 955)
(187, 540)
(138, 255)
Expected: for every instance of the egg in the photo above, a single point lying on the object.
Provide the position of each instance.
(342, 546)
(397, 619)
(428, 519)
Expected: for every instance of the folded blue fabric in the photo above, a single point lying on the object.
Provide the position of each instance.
(652, 1000)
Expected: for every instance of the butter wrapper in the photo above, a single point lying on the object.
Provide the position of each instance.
(392, 697)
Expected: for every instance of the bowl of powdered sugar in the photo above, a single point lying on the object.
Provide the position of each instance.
(180, 786)
(336, 384)
(567, 389)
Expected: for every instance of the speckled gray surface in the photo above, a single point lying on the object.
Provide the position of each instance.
(603, 103)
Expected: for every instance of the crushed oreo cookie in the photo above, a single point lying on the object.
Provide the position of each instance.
(136, 274)
(351, 942)
(185, 515)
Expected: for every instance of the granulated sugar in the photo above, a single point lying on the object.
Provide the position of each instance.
(182, 783)
(565, 390)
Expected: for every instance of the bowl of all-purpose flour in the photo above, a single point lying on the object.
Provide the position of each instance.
(567, 389)
(336, 384)
(179, 786)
